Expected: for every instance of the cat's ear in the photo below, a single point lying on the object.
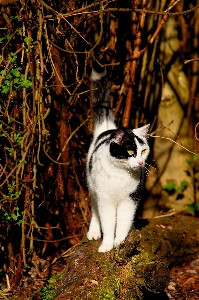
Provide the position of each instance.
(118, 135)
(142, 131)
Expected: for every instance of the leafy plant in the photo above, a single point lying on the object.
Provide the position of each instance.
(4, 38)
(16, 217)
(11, 190)
(194, 208)
(18, 138)
(48, 290)
(171, 187)
(14, 74)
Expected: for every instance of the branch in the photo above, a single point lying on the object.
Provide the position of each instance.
(5, 2)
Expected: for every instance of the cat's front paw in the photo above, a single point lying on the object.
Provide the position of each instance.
(118, 241)
(105, 247)
(93, 235)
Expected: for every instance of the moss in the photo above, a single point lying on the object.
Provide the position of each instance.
(110, 288)
(140, 261)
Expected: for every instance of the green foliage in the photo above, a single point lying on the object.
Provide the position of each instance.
(182, 186)
(14, 218)
(194, 162)
(18, 138)
(14, 75)
(110, 288)
(5, 38)
(28, 41)
(12, 190)
(171, 187)
(194, 208)
(48, 290)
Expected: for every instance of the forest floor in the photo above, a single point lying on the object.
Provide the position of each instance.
(182, 285)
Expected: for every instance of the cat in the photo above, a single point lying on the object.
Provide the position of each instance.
(115, 165)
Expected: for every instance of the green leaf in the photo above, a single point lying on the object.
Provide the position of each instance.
(26, 40)
(16, 72)
(14, 59)
(5, 86)
(2, 39)
(27, 84)
(195, 157)
(191, 208)
(182, 186)
(27, 266)
(8, 36)
(10, 150)
(13, 17)
(14, 217)
(169, 186)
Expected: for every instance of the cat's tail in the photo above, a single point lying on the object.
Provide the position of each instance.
(103, 113)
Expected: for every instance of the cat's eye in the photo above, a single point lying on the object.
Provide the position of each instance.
(144, 151)
(130, 152)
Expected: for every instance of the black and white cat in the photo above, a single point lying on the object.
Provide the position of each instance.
(115, 163)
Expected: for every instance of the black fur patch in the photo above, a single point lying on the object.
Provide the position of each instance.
(103, 134)
(140, 141)
(124, 141)
(136, 195)
(96, 148)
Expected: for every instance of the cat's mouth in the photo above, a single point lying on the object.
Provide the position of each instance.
(137, 167)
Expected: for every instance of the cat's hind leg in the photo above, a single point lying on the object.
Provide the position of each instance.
(94, 231)
(125, 216)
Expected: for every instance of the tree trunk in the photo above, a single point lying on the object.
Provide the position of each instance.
(172, 127)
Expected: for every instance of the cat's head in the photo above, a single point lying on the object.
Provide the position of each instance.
(130, 147)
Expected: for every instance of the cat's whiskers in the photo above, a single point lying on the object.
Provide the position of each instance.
(153, 167)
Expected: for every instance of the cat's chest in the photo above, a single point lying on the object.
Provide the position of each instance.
(115, 178)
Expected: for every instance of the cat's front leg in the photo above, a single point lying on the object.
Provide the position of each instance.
(125, 216)
(108, 221)
(94, 232)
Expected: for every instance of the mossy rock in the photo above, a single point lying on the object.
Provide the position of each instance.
(141, 261)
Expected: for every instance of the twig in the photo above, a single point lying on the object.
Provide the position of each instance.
(190, 60)
(169, 214)
(146, 11)
(75, 29)
(55, 13)
(53, 241)
(101, 28)
(56, 162)
(169, 139)
(1, 293)
(161, 24)
(196, 132)
(8, 63)
(51, 60)
(8, 282)
(133, 66)
(70, 137)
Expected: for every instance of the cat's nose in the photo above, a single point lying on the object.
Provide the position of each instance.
(140, 162)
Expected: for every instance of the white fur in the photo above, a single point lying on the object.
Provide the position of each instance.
(97, 76)
(110, 183)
